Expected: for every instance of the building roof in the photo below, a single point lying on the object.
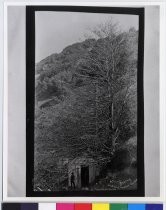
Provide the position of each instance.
(82, 161)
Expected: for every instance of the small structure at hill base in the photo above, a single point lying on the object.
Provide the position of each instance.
(85, 170)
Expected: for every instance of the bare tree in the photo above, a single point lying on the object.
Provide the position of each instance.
(112, 66)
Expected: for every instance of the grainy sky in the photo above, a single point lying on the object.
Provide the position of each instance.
(56, 30)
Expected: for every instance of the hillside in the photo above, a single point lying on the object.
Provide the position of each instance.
(72, 111)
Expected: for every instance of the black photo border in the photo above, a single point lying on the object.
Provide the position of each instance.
(30, 94)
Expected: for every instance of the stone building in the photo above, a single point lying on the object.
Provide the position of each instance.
(85, 170)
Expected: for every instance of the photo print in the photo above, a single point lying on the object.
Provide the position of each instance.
(85, 111)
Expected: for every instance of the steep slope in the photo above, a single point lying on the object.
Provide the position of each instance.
(72, 107)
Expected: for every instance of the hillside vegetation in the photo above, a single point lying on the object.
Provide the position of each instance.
(86, 100)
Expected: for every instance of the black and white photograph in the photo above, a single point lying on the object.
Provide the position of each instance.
(85, 112)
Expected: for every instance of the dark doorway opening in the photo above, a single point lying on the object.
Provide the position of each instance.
(84, 176)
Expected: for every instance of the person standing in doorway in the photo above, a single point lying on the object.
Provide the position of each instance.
(72, 180)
